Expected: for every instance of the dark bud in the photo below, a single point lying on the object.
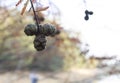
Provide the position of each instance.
(88, 12)
(86, 17)
(57, 32)
(91, 13)
(39, 18)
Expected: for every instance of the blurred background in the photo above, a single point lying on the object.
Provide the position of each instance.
(85, 51)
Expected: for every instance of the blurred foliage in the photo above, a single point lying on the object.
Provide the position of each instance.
(13, 42)
(17, 50)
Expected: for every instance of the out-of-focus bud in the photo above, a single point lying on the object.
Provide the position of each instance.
(87, 13)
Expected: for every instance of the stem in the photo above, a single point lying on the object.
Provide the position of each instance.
(35, 16)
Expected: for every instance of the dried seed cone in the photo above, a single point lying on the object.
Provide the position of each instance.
(49, 29)
(40, 42)
(30, 29)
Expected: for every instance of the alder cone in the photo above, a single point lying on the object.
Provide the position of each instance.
(40, 42)
(30, 30)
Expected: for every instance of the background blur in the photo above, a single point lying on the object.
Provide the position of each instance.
(79, 54)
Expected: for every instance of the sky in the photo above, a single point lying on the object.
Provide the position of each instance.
(101, 31)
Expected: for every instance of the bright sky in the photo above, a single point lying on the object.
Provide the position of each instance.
(101, 31)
